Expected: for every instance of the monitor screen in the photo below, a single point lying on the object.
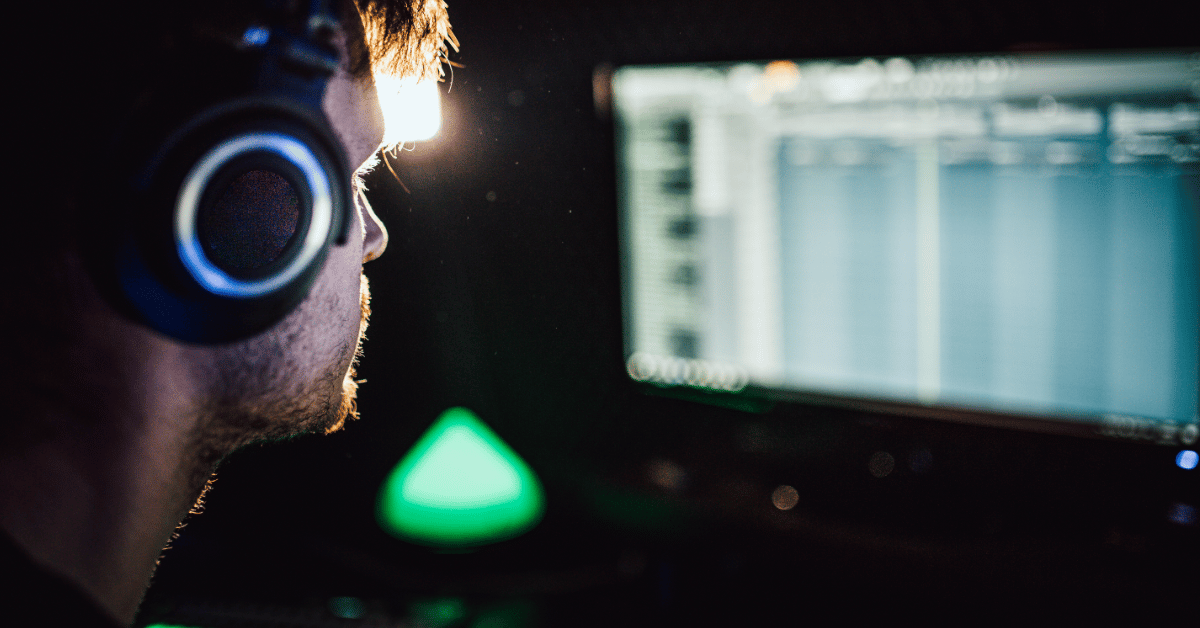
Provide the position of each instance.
(1003, 238)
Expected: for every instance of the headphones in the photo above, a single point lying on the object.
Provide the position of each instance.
(229, 185)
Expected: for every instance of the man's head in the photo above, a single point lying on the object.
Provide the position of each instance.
(300, 376)
(113, 427)
(406, 37)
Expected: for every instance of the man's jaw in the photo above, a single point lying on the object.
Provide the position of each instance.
(348, 408)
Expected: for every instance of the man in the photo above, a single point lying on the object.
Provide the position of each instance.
(114, 427)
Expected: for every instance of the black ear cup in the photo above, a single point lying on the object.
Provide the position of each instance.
(234, 228)
(231, 187)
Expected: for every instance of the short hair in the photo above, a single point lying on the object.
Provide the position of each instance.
(407, 37)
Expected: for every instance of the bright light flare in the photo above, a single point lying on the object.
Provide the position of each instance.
(412, 109)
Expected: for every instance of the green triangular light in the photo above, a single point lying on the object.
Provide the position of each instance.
(460, 485)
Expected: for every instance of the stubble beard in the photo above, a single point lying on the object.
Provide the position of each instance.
(230, 429)
(263, 399)
(348, 408)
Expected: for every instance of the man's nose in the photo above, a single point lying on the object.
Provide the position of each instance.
(375, 235)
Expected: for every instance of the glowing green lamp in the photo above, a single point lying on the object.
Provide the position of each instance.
(459, 486)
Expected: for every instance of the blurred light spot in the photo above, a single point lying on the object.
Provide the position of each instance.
(459, 486)
(666, 474)
(256, 36)
(490, 196)
(781, 76)
(898, 70)
(987, 71)
(785, 497)
(347, 607)
(412, 109)
(846, 84)
(744, 78)
(516, 98)
(677, 371)
(1182, 514)
(602, 85)
(1189, 433)
(881, 464)
(870, 67)
(1187, 459)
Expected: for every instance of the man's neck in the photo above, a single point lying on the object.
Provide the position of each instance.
(97, 492)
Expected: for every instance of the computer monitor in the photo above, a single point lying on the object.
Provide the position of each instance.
(1001, 239)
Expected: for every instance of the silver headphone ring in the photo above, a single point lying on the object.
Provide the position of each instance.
(187, 205)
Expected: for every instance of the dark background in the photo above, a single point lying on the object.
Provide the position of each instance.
(500, 292)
